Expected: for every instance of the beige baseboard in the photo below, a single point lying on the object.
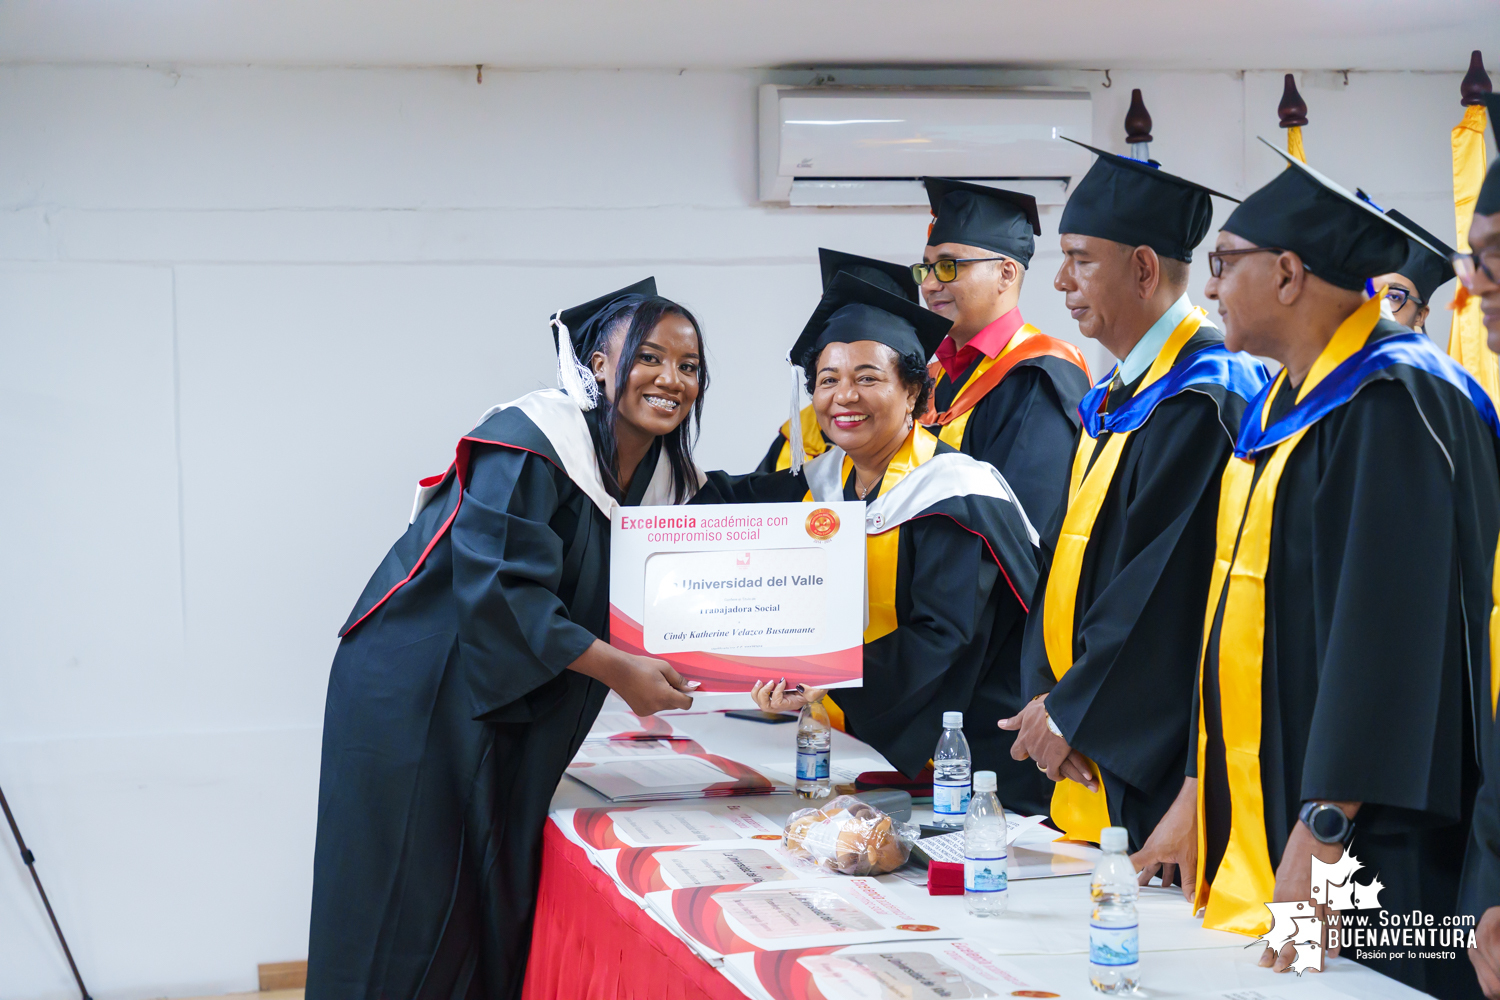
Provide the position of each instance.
(282, 976)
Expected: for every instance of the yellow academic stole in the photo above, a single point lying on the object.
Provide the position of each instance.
(952, 433)
(1495, 639)
(882, 550)
(1080, 813)
(1245, 880)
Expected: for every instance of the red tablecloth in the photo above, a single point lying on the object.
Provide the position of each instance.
(591, 942)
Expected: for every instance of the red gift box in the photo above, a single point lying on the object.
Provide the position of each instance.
(945, 878)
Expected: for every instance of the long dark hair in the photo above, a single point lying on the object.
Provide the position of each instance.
(642, 313)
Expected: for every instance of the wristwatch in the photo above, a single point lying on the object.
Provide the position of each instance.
(1327, 822)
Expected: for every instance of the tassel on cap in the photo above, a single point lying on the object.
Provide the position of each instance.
(794, 421)
(572, 377)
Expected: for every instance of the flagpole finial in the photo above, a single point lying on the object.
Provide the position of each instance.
(1476, 82)
(1137, 120)
(1292, 109)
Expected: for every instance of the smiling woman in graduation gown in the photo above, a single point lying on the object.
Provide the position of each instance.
(472, 667)
(950, 554)
(894, 278)
(1365, 496)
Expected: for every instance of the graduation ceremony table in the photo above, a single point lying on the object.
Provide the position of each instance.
(591, 941)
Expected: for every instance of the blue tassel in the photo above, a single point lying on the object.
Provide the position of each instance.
(1369, 288)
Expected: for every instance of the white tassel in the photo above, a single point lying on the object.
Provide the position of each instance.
(794, 426)
(572, 377)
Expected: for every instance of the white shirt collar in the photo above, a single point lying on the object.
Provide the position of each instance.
(1148, 347)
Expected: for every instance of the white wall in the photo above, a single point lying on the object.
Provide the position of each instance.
(242, 310)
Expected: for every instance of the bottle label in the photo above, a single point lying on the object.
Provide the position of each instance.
(812, 765)
(1114, 946)
(985, 874)
(950, 798)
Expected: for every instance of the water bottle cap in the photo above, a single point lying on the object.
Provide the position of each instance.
(984, 781)
(1113, 839)
(953, 720)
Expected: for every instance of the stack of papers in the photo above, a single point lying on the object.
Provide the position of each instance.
(674, 775)
(605, 828)
(722, 920)
(915, 969)
(616, 722)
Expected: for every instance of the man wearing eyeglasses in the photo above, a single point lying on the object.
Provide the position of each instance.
(1345, 621)
(1111, 645)
(1005, 392)
(1479, 271)
(1410, 288)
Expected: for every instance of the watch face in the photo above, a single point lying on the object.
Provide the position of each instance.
(1329, 823)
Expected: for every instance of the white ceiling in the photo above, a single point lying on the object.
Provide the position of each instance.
(1206, 34)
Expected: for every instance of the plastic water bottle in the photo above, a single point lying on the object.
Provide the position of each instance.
(814, 738)
(986, 875)
(1114, 928)
(950, 774)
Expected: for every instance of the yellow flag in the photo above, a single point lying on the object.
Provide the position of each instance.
(1294, 143)
(1466, 338)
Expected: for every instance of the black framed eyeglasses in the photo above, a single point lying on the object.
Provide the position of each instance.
(1486, 262)
(1398, 297)
(946, 269)
(1216, 257)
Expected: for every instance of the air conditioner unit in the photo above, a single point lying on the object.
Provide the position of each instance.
(869, 146)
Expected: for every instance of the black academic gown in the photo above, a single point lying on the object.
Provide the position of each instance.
(450, 719)
(1126, 701)
(957, 641)
(1480, 882)
(1026, 427)
(1377, 602)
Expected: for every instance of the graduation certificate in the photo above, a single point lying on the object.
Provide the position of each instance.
(735, 593)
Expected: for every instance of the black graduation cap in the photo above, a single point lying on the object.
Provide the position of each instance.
(577, 319)
(1139, 204)
(1340, 237)
(852, 309)
(977, 215)
(1489, 192)
(880, 273)
(1428, 270)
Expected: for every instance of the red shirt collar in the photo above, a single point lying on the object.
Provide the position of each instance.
(990, 342)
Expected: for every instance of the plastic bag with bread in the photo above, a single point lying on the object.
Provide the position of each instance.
(849, 836)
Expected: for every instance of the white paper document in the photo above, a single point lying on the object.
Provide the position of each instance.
(734, 593)
(638, 871)
(681, 776)
(614, 750)
(736, 601)
(719, 920)
(601, 828)
(928, 970)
